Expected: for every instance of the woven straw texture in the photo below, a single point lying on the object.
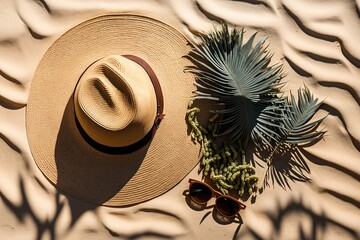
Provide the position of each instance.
(115, 101)
(58, 148)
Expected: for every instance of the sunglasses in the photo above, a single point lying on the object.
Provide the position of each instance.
(201, 193)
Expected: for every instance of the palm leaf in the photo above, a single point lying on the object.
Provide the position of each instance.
(296, 126)
(236, 74)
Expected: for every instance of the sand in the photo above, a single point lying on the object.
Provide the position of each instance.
(318, 43)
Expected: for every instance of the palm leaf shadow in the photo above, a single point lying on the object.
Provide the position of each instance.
(24, 210)
(288, 165)
(317, 222)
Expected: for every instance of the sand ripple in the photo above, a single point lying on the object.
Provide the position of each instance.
(318, 42)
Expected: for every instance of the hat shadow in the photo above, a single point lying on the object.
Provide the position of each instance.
(87, 173)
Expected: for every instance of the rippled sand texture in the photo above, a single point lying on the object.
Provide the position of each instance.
(318, 42)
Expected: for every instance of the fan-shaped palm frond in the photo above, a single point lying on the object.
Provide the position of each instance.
(296, 128)
(234, 73)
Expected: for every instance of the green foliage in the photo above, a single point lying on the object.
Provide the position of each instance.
(232, 73)
(296, 128)
(236, 76)
(222, 165)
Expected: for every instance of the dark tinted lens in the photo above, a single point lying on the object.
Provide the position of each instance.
(200, 193)
(227, 206)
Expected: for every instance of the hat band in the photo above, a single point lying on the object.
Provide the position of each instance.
(159, 116)
(157, 87)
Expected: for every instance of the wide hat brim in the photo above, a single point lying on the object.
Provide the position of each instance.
(57, 146)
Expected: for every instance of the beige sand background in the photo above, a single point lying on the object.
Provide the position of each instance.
(318, 43)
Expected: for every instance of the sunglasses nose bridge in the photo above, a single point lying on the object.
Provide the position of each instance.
(217, 194)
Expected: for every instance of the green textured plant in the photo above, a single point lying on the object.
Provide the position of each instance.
(222, 163)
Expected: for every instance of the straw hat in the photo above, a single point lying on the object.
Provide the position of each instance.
(106, 112)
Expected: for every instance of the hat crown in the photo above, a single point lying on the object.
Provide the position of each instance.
(115, 101)
(106, 97)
